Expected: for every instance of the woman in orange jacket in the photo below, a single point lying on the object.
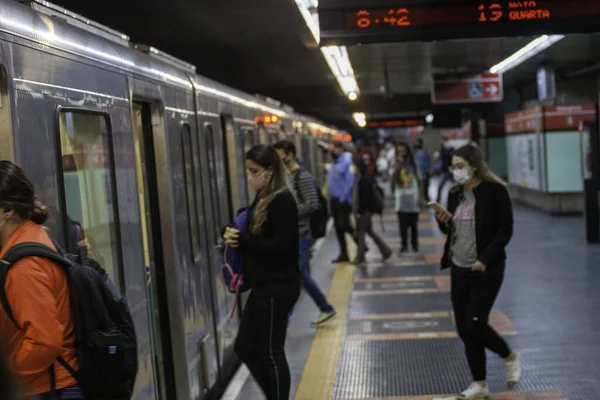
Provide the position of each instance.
(38, 295)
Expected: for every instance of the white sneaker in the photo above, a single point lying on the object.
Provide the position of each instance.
(475, 391)
(323, 317)
(513, 372)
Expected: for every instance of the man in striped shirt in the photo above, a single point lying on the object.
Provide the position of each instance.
(308, 204)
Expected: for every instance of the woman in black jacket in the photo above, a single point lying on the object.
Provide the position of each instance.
(270, 251)
(363, 204)
(479, 225)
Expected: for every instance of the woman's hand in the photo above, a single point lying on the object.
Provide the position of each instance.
(443, 216)
(231, 236)
(478, 266)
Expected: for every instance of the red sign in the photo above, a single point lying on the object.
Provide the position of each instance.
(526, 121)
(482, 88)
(558, 118)
(400, 123)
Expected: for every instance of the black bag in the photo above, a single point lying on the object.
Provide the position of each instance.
(104, 332)
(318, 220)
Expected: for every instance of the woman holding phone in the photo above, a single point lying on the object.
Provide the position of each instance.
(479, 226)
(270, 252)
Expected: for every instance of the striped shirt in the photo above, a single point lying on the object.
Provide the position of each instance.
(308, 200)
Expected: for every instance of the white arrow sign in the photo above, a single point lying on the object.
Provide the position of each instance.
(492, 89)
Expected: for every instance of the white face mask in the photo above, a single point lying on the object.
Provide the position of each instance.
(461, 176)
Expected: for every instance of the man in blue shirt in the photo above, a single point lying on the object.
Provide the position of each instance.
(341, 180)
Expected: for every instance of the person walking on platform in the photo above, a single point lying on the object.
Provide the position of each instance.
(37, 292)
(423, 161)
(270, 251)
(446, 159)
(363, 206)
(478, 223)
(308, 203)
(408, 196)
(340, 182)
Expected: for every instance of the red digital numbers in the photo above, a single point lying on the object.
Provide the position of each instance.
(490, 13)
(394, 17)
(364, 20)
(398, 17)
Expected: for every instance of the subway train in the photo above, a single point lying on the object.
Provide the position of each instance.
(143, 159)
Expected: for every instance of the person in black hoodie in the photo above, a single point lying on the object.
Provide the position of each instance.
(270, 251)
(479, 226)
(363, 204)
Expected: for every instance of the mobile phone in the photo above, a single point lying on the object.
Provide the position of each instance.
(437, 207)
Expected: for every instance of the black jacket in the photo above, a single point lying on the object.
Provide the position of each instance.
(493, 223)
(365, 194)
(271, 258)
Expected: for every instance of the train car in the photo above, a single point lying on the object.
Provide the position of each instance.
(143, 159)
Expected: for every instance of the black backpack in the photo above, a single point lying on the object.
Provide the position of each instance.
(318, 220)
(104, 332)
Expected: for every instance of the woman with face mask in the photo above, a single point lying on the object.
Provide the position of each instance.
(408, 196)
(270, 251)
(363, 198)
(479, 225)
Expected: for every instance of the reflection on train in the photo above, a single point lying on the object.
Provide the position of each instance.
(142, 160)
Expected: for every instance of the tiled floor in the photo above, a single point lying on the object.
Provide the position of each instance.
(399, 338)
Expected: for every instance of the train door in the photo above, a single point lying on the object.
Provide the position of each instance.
(226, 327)
(235, 165)
(145, 117)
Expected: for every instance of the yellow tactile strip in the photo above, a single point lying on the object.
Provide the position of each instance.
(549, 395)
(319, 372)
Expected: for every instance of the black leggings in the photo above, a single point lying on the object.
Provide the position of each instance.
(473, 295)
(260, 343)
(409, 220)
(341, 219)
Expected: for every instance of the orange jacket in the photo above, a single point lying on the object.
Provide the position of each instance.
(38, 294)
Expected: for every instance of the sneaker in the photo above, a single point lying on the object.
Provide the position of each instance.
(475, 391)
(324, 317)
(513, 371)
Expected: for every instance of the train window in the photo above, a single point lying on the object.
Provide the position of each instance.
(6, 140)
(190, 188)
(212, 168)
(88, 179)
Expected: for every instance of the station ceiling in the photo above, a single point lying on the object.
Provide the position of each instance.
(265, 47)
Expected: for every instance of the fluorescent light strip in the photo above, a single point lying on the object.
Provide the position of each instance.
(336, 56)
(534, 47)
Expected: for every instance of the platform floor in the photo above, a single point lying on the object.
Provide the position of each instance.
(394, 337)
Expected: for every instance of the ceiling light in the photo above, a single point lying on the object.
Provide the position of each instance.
(336, 56)
(360, 118)
(352, 96)
(534, 47)
(429, 118)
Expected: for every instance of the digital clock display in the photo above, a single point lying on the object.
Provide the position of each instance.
(410, 21)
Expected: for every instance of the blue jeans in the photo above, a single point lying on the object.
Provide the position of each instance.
(70, 393)
(308, 282)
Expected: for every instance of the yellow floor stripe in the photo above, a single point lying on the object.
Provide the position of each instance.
(319, 372)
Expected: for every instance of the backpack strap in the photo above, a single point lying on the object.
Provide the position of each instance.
(16, 253)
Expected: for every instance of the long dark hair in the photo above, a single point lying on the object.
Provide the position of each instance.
(267, 157)
(360, 164)
(472, 155)
(17, 193)
(410, 158)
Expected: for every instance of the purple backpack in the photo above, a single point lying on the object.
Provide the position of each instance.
(233, 260)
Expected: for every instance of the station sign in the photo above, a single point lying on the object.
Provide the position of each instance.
(345, 22)
(397, 123)
(480, 88)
